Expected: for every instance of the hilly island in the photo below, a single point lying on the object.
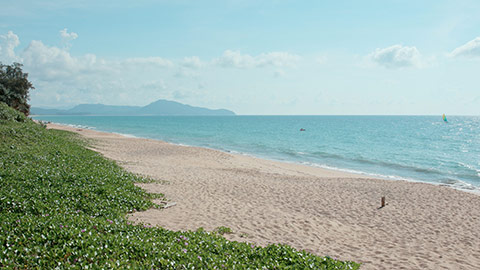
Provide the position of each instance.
(159, 107)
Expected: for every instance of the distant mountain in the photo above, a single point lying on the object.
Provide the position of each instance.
(159, 107)
(40, 111)
(165, 107)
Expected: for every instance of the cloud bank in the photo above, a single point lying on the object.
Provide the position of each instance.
(192, 62)
(52, 63)
(396, 56)
(238, 60)
(61, 77)
(149, 61)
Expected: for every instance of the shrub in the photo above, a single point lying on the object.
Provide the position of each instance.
(63, 206)
(15, 87)
(10, 114)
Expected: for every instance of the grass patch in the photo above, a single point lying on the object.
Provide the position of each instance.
(7, 113)
(223, 230)
(64, 206)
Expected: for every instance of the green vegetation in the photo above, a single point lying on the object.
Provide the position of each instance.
(64, 206)
(223, 230)
(15, 87)
(6, 113)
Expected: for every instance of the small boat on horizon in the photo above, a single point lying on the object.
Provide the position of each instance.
(445, 118)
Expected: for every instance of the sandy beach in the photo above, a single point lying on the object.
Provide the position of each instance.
(325, 212)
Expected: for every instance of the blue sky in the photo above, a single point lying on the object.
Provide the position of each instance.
(253, 57)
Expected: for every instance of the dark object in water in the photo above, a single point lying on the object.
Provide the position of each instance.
(302, 129)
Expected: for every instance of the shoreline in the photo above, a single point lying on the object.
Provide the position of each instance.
(326, 212)
(462, 187)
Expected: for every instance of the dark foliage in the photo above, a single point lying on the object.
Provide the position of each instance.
(15, 87)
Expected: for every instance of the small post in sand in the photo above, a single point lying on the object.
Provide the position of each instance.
(383, 202)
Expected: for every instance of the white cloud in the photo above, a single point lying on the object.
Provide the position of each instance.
(192, 62)
(396, 56)
(52, 63)
(278, 59)
(67, 37)
(154, 61)
(236, 59)
(185, 73)
(8, 43)
(239, 60)
(470, 49)
(60, 77)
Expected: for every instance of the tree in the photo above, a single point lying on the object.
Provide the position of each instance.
(15, 87)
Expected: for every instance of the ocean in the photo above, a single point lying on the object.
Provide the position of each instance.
(414, 148)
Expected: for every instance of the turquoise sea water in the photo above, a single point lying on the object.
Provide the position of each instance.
(417, 148)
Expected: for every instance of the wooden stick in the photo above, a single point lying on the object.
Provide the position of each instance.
(383, 202)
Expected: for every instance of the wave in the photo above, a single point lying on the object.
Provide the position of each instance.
(334, 149)
(449, 182)
(470, 168)
(126, 135)
(381, 163)
(74, 125)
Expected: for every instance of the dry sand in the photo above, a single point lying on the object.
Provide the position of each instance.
(325, 212)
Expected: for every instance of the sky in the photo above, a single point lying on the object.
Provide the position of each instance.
(268, 57)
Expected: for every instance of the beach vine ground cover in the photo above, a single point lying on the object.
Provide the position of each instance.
(64, 206)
